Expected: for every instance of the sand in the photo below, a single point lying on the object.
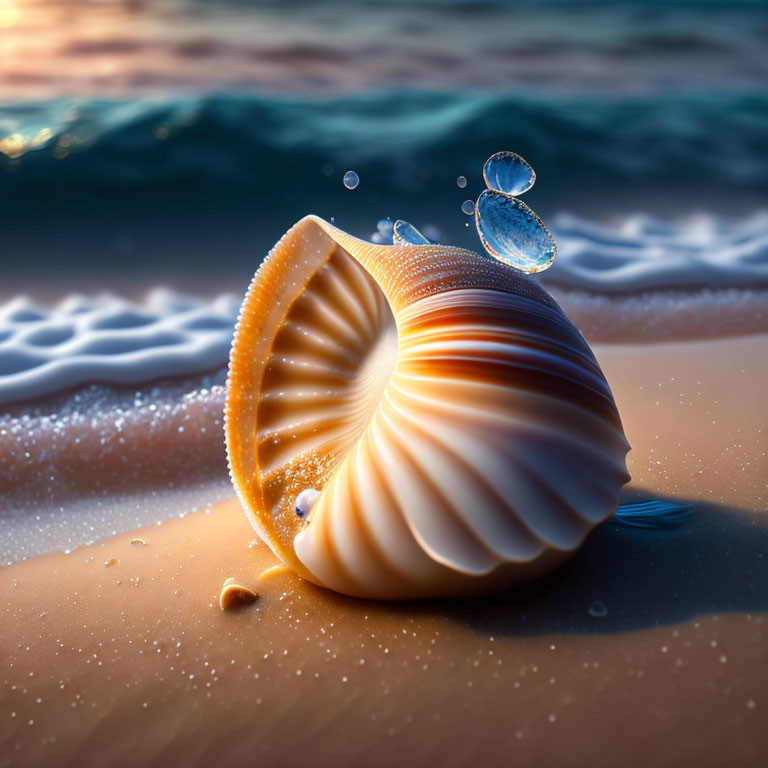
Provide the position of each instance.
(120, 654)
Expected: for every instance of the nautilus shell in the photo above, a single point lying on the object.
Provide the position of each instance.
(456, 428)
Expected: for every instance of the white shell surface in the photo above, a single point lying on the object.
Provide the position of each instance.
(476, 450)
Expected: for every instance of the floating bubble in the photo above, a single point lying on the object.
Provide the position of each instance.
(468, 207)
(508, 172)
(351, 179)
(461, 182)
(598, 609)
(512, 233)
(406, 234)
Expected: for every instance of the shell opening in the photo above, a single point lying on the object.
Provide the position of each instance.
(333, 351)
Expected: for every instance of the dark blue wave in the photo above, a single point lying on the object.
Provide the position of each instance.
(392, 140)
(205, 166)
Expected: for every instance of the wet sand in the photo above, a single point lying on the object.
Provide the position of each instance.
(135, 663)
(695, 414)
(119, 653)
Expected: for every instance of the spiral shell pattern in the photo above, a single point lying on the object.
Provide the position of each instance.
(457, 426)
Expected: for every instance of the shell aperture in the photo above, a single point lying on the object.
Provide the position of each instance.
(456, 424)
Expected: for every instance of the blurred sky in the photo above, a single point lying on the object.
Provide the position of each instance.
(119, 48)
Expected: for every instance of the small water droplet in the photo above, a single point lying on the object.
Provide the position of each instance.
(461, 182)
(512, 233)
(468, 207)
(406, 234)
(385, 227)
(598, 609)
(508, 172)
(351, 179)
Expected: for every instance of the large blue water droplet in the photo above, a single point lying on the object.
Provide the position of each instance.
(512, 233)
(406, 234)
(508, 172)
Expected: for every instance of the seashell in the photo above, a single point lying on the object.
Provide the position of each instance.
(234, 595)
(458, 428)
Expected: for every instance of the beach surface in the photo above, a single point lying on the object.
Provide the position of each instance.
(648, 647)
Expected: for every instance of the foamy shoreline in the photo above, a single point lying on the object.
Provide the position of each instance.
(110, 340)
(81, 466)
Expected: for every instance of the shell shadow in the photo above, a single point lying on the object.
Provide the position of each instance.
(717, 561)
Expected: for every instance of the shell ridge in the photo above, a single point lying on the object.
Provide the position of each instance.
(402, 558)
(513, 489)
(478, 557)
(527, 542)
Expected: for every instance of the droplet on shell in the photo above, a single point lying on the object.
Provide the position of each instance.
(468, 207)
(508, 172)
(351, 179)
(139, 542)
(406, 234)
(305, 501)
(461, 182)
(234, 595)
(109, 563)
(512, 233)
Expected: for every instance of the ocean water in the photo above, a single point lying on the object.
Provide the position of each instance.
(101, 192)
(172, 143)
(140, 140)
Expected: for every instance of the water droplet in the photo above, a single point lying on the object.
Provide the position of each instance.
(512, 233)
(508, 172)
(461, 182)
(385, 227)
(406, 234)
(468, 207)
(351, 179)
(598, 609)
(305, 501)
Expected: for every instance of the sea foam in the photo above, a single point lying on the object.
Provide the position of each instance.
(109, 339)
(644, 253)
(642, 280)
